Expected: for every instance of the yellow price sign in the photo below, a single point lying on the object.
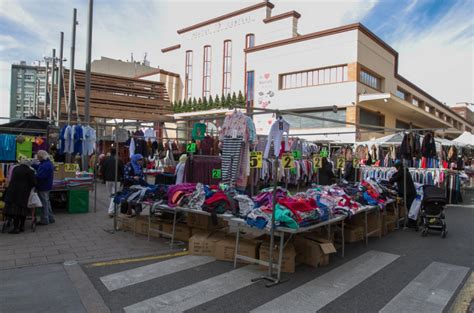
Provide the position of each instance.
(256, 159)
(318, 161)
(356, 163)
(71, 167)
(56, 167)
(340, 162)
(288, 160)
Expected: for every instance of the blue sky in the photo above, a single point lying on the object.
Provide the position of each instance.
(435, 38)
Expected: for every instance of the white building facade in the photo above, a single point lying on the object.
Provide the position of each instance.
(275, 67)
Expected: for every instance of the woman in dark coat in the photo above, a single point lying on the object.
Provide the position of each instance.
(17, 195)
(326, 175)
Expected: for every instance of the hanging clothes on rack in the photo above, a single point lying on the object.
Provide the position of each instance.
(275, 136)
(7, 147)
(236, 135)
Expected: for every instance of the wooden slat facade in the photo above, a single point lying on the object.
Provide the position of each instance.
(115, 97)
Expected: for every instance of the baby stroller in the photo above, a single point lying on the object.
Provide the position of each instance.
(432, 210)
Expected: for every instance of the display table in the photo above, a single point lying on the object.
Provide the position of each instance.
(280, 232)
(158, 206)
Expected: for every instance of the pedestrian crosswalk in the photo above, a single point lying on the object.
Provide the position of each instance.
(430, 290)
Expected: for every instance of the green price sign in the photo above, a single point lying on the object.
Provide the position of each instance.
(216, 174)
(293, 171)
(297, 155)
(191, 148)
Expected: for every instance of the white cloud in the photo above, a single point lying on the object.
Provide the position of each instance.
(440, 60)
(8, 42)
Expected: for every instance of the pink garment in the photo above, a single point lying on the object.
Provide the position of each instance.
(235, 125)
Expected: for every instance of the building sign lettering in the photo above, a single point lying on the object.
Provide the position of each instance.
(221, 26)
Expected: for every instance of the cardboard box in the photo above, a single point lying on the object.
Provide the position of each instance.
(391, 222)
(353, 233)
(203, 243)
(60, 172)
(195, 220)
(182, 232)
(313, 251)
(125, 223)
(225, 249)
(288, 260)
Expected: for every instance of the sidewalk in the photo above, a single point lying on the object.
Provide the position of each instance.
(79, 237)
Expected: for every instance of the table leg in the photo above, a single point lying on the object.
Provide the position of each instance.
(237, 242)
(343, 239)
(366, 231)
(149, 223)
(280, 256)
(174, 228)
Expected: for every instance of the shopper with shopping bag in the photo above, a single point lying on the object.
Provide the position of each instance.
(16, 204)
(44, 176)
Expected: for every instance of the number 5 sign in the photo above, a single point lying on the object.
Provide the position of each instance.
(340, 162)
(256, 159)
(288, 160)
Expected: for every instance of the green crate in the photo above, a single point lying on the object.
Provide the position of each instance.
(78, 201)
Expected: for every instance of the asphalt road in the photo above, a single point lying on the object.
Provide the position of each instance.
(413, 256)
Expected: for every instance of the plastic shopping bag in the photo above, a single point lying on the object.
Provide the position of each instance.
(34, 200)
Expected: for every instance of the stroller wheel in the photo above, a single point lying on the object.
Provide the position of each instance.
(424, 232)
(444, 233)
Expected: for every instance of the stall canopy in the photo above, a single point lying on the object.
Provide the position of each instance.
(396, 139)
(31, 125)
(466, 138)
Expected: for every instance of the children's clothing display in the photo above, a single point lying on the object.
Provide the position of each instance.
(237, 134)
(275, 136)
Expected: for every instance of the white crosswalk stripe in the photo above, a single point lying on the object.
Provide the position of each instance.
(144, 273)
(317, 293)
(191, 296)
(430, 291)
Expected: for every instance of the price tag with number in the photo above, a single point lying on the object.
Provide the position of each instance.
(288, 160)
(256, 159)
(71, 167)
(191, 147)
(356, 163)
(216, 174)
(297, 155)
(318, 161)
(56, 167)
(340, 162)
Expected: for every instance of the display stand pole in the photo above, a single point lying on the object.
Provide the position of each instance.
(405, 194)
(116, 175)
(273, 281)
(96, 165)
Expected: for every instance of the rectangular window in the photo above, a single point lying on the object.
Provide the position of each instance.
(227, 72)
(297, 122)
(415, 101)
(401, 94)
(370, 80)
(249, 41)
(188, 81)
(206, 77)
(249, 88)
(330, 75)
(371, 118)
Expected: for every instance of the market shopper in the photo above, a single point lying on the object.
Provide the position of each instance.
(326, 174)
(349, 171)
(398, 177)
(44, 178)
(108, 173)
(17, 194)
(133, 174)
